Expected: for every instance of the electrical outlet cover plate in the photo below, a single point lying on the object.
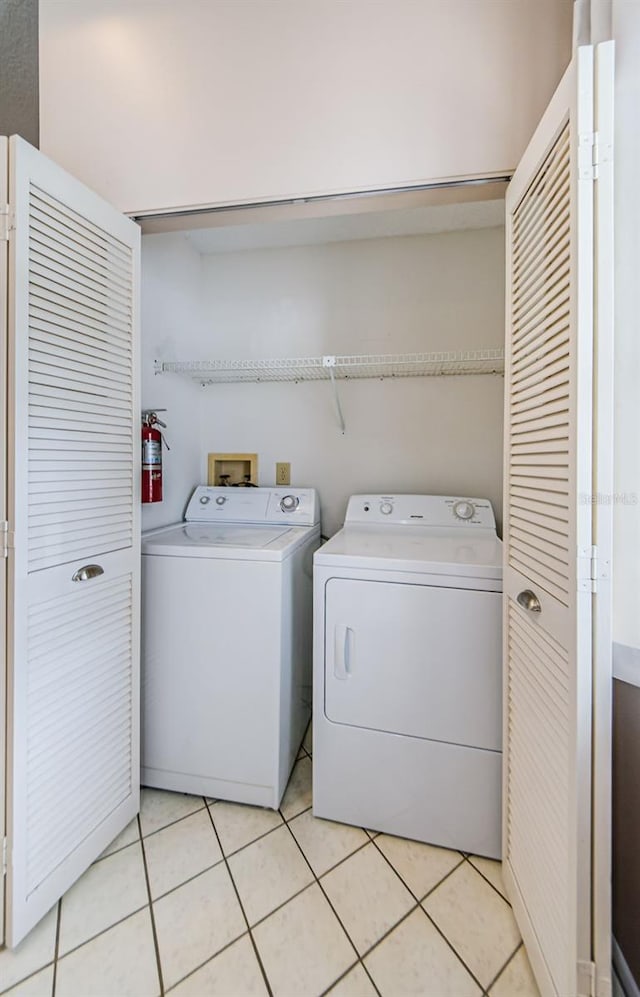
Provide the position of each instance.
(283, 473)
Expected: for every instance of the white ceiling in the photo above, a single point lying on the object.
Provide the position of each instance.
(420, 220)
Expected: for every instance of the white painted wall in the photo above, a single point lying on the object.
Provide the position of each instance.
(404, 294)
(163, 104)
(171, 328)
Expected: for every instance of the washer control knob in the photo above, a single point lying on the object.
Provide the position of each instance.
(464, 510)
(204, 500)
(221, 499)
(386, 508)
(289, 503)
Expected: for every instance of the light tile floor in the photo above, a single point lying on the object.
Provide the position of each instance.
(199, 898)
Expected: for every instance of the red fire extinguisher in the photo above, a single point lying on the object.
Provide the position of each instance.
(152, 457)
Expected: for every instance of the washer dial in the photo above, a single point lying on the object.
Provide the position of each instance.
(386, 508)
(464, 510)
(221, 499)
(289, 503)
(204, 500)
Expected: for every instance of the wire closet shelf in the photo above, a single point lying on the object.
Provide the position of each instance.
(205, 372)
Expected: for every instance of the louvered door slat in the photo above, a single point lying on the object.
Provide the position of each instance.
(97, 382)
(50, 264)
(551, 222)
(48, 666)
(59, 525)
(530, 361)
(81, 325)
(530, 781)
(74, 712)
(96, 302)
(54, 435)
(112, 315)
(66, 356)
(54, 750)
(62, 512)
(541, 260)
(48, 216)
(551, 304)
(542, 199)
(83, 340)
(536, 371)
(554, 376)
(59, 252)
(549, 540)
(62, 406)
(50, 370)
(552, 337)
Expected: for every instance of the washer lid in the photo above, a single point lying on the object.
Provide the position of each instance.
(224, 540)
(421, 549)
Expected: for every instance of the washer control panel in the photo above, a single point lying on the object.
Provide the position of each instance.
(422, 510)
(289, 506)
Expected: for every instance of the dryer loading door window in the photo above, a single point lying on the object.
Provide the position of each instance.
(414, 660)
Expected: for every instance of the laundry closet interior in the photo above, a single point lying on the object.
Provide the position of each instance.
(408, 285)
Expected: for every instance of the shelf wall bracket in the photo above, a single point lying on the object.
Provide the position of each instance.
(330, 363)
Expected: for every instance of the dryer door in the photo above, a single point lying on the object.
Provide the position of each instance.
(415, 660)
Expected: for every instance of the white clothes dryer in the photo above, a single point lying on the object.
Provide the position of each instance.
(226, 643)
(407, 723)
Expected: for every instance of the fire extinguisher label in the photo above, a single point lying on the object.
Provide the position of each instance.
(151, 453)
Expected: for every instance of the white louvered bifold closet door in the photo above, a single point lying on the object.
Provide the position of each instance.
(548, 537)
(73, 508)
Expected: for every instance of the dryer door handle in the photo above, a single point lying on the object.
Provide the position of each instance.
(344, 650)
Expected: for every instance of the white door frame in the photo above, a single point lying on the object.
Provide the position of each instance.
(4, 316)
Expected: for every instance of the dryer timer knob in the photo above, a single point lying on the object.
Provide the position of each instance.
(464, 510)
(221, 499)
(289, 503)
(386, 508)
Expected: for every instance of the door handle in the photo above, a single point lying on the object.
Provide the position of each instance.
(343, 658)
(529, 600)
(87, 572)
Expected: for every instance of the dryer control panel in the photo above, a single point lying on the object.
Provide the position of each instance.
(421, 510)
(289, 506)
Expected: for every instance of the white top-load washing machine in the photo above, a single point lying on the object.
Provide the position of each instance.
(226, 643)
(408, 671)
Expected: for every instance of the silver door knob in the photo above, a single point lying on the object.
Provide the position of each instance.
(87, 572)
(529, 600)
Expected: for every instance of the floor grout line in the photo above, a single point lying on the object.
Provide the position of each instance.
(244, 913)
(102, 931)
(339, 919)
(463, 859)
(416, 897)
(190, 879)
(507, 963)
(24, 979)
(370, 840)
(451, 946)
(56, 949)
(486, 878)
(201, 965)
(156, 944)
(242, 848)
(419, 906)
(164, 827)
